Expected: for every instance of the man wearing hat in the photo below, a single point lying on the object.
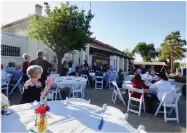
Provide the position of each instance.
(157, 91)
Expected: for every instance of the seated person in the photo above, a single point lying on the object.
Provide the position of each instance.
(120, 79)
(4, 77)
(111, 74)
(10, 68)
(33, 87)
(138, 84)
(80, 70)
(16, 74)
(157, 91)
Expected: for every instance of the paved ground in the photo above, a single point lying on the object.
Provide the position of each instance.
(152, 124)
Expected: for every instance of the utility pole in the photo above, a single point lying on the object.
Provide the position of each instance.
(90, 6)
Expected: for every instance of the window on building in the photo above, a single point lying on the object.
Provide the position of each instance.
(10, 50)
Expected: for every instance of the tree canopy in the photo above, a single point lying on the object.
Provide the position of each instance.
(173, 48)
(129, 53)
(64, 29)
(147, 51)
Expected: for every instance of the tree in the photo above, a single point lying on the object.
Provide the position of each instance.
(64, 29)
(129, 53)
(147, 51)
(176, 64)
(173, 48)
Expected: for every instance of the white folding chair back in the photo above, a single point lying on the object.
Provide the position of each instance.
(55, 92)
(78, 100)
(138, 100)
(98, 82)
(17, 83)
(77, 88)
(141, 129)
(86, 77)
(117, 92)
(6, 87)
(124, 74)
(126, 116)
(169, 100)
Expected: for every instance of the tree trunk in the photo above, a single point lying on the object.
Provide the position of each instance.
(171, 61)
(59, 57)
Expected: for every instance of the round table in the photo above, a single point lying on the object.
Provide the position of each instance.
(73, 117)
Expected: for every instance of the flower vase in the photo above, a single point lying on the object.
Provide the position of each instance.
(41, 123)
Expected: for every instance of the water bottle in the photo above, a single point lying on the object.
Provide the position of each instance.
(101, 124)
(34, 105)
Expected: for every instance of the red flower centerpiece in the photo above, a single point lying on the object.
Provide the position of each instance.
(41, 121)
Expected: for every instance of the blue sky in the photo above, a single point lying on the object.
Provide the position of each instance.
(123, 24)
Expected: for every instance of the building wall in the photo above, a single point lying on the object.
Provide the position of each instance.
(26, 46)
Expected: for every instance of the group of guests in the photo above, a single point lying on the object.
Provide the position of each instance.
(34, 74)
(14, 76)
(156, 90)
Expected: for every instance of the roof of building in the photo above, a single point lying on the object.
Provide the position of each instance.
(15, 22)
(151, 63)
(105, 45)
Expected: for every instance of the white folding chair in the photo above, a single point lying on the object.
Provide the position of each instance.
(17, 84)
(78, 100)
(86, 77)
(126, 116)
(117, 92)
(98, 82)
(174, 97)
(109, 82)
(55, 90)
(141, 129)
(124, 74)
(77, 88)
(55, 93)
(6, 87)
(140, 100)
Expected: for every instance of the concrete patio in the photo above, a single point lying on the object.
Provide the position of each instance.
(151, 123)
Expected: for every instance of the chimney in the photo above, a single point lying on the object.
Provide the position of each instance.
(38, 9)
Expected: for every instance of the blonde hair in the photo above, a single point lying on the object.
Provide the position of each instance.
(34, 71)
(25, 55)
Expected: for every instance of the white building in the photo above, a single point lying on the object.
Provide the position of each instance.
(15, 42)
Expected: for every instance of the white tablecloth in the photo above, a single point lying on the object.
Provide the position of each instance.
(74, 117)
(126, 84)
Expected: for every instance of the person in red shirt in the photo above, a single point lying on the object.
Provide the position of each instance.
(138, 84)
(25, 65)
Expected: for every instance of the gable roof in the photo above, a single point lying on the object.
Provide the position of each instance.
(15, 22)
(105, 45)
